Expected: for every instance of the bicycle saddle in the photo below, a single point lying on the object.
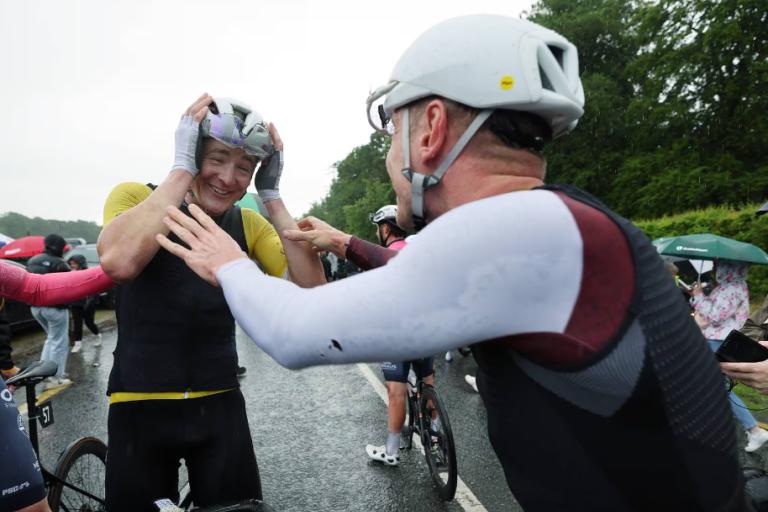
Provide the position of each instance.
(33, 373)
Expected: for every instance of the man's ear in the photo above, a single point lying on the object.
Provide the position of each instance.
(433, 126)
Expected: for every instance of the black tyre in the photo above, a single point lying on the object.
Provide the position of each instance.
(83, 466)
(438, 444)
(407, 433)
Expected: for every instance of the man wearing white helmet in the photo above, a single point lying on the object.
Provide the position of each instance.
(599, 389)
(173, 387)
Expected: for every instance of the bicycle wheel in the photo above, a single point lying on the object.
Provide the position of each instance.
(438, 443)
(83, 466)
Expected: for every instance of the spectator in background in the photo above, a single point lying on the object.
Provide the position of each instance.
(82, 310)
(726, 308)
(55, 319)
(681, 285)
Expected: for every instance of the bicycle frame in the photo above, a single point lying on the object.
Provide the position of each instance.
(33, 414)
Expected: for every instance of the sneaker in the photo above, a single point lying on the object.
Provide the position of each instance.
(56, 383)
(241, 371)
(77, 347)
(97, 343)
(756, 440)
(379, 453)
(472, 381)
(448, 356)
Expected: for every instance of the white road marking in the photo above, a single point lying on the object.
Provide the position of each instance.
(464, 495)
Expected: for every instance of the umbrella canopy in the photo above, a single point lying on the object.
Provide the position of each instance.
(24, 247)
(710, 247)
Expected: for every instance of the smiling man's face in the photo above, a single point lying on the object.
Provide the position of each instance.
(224, 177)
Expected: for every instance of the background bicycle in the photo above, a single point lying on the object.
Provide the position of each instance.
(428, 419)
(77, 481)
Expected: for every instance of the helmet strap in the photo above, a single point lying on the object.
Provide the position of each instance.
(421, 182)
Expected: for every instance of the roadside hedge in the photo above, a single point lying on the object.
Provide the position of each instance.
(738, 223)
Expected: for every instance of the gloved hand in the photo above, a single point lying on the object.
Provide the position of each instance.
(7, 374)
(187, 135)
(267, 179)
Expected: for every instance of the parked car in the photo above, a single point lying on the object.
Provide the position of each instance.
(19, 314)
(107, 298)
(75, 242)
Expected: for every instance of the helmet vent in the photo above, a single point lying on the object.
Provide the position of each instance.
(558, 53)
(545, 83)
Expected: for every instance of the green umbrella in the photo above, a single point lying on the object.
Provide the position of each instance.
(710, 247)
(252, 201)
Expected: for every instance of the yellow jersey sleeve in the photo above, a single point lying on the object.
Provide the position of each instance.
(124, 197)
(264, 244)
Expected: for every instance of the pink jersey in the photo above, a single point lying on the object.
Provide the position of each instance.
(397, 245)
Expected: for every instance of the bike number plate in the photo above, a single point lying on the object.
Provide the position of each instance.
(46, 414)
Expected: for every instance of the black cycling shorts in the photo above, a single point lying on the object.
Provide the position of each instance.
(149, 438)
(21, 483)
(398, 372)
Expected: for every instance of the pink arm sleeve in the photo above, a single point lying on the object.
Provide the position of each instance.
(48, 289)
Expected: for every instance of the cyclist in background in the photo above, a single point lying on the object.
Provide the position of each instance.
(599, 390)
(392, 237)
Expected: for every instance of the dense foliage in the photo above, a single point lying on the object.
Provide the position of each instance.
(675, 111)
(737, 223)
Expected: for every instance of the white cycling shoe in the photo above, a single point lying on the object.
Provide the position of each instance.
(379, 453)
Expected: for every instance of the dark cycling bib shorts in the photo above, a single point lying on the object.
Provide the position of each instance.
(398, 372)
(21, 483)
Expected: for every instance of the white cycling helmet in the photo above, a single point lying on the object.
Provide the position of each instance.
(387, 213)
(486, 62)
(236, 125)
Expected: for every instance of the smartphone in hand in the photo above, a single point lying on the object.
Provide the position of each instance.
(740, 348)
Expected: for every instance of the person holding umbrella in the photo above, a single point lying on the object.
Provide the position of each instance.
(726, 308)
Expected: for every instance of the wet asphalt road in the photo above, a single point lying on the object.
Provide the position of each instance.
(309, 430)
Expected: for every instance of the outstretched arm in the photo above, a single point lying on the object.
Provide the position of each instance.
(324, 237)
(436, 295)
(47, 289)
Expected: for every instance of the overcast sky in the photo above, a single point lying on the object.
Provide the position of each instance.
(93, 90)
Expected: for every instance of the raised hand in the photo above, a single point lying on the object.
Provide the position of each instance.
(321, 235)
(187, 134)
(267, 180)
(209, 246)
